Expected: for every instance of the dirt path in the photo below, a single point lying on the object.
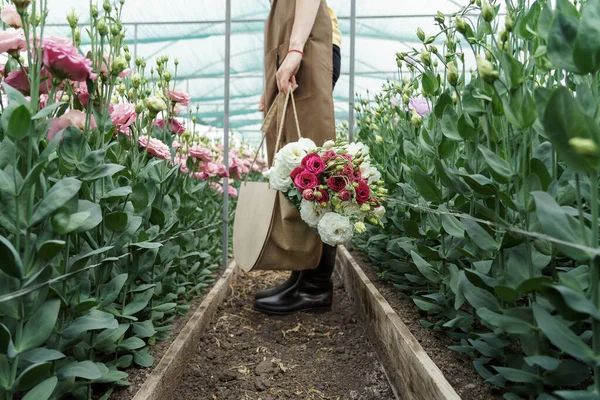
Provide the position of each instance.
(247, 355)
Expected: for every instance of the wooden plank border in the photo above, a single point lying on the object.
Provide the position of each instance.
(165, 378)
(410, 370)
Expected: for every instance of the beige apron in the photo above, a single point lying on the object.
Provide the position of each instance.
(314, 97)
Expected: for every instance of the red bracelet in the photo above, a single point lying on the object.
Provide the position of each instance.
(296, 51)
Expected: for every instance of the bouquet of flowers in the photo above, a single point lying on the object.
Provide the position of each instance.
(335, 187)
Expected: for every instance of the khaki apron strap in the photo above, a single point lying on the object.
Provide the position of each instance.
(269, 118)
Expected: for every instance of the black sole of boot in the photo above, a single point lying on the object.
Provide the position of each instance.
(313, 310)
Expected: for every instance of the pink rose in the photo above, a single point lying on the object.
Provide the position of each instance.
(348, 171)
(363, 192)
(201, 153)
(74, 118)
(18, 79)
(173, 125)
(329, 155)
(306, 180)
(11, 17)
(357, 176)
(12, 41)
(336, 183)
(295, 172)
(64, 61)
(313, 163)
(123, 115)
(345, 195)
(309, 195)
(177, 96)
(420, 105)
(155, 147)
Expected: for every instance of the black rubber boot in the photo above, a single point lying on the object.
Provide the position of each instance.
(312, 292)
(291, 281)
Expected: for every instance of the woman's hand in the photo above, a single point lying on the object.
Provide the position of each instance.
(261, 104)
(287, 72)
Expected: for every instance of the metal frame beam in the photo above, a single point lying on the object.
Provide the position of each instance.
(226, 134)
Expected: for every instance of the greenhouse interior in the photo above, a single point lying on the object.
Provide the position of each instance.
(300, 199)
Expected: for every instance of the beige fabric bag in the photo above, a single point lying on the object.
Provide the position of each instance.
(268, 232)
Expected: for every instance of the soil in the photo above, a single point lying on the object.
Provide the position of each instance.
(138, 375)
(456, 367)
(247, 355)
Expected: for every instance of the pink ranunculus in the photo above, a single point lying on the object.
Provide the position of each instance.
(308, 194)
(172, 124)
(420, 105)
(363, 192)
(201, 153)
(329, 155)
(11, 17)
(122, 115)
(155, 147)
(74, 118)
(306, 180)
(177, 96)
(345, 195)
(12, 41)
(313, 163)
(126, 72)
(348, 171)
(336, 183)
(64, 61)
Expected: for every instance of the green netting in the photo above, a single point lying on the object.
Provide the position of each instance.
(194, 33)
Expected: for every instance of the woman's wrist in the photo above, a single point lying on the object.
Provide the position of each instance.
(296, 45)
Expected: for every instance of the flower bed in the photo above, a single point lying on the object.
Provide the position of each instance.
(109, 206)
(493, 175)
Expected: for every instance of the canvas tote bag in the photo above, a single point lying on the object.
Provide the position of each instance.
(268, 232)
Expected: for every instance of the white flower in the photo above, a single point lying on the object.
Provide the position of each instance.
(308, 145)
(379, 212)
(328, 145)
(352, 210)
(279, 180)
(309, 214)
(290, 156)
(375, 176)
(335, 229)
(358, 147)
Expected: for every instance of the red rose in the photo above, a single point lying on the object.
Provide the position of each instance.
(348, 171)
(306, 180)
(295, 172)
(345, 195)
(309, 194)
(336, 183)
(313, 163)
(324, 198)
(363, 192)
(329, 155)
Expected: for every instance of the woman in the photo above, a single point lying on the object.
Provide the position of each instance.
(302, 46)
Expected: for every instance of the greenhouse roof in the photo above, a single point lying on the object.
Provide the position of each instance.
(193, 31)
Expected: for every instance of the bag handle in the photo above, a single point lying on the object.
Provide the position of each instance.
(269, 118)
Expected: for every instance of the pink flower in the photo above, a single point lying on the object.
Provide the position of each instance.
(313, 163)
(210, 168)
(177, 109)
(126, 72)
(420, 105)
(306, 180)
(219, 189)
(177, 96)
(123, 115)
(232, 191)
(336, 183)
(357, 176)
(348, 171)
(176, 144)
(345, 195)
(201, 153)
(82, 94)
(64, 62)
(238, 167)
(394, 102)
(12, 40)
(323, 196)
(308, 194)
(18, 79)
(155, 147)
(74, 118)
(295, 172)
(363, 192)
(329, 155)
(346, 156)
(43, 100)
(11, 17)
(173, 125)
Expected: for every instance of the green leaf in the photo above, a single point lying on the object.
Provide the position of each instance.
(164, 307)
(507, 293)
(498, 168)
(477, 297)
(118, 193)
(18, 125)
(43, 391)
(40, 326)
(507, 324)
(63, 191)
(429, 83)
(517, 375)
(140, 302)
(103, 171)
(561, 40)
(569, 373)
(577, 395)
(428, 306)
(112, 376)
(448, 124)
(426, 269)
(142, 358)
(425, 185)
(7, 184)
(83, 369)
(144, 329)
(546, 362)
(95, 320)
(77, 263)
(479, 236)
(32, 376)
(587, 45)
(132, 343)
(140, 197)
(32, 178)
(116, 221)
(575, 302)
(41, 354)
(11, 262)
(46, 111)
(451, 224)
(562, 337)
(72, 145)
(108, 337)
(110, 291)
(14, 96)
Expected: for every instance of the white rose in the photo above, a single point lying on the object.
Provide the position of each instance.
(328, 145)
(358, 147)
(290, 156)
(375, 176)
(365, 169)
(379, 212)
(308, 145)
(279, 180)
(335, 229)
(309, 214)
